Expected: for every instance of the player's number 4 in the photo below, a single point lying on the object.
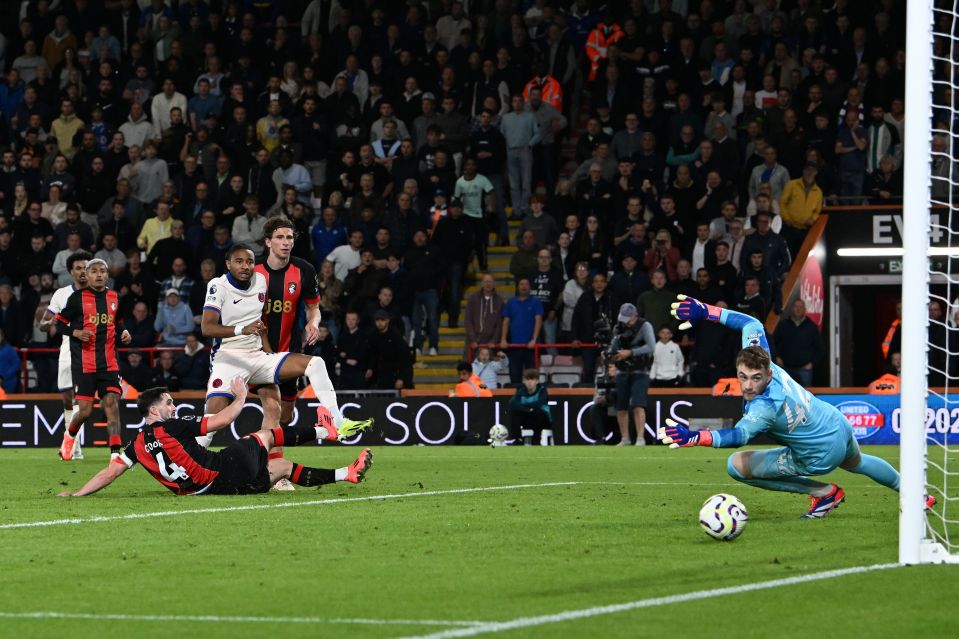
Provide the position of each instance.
(173, 472)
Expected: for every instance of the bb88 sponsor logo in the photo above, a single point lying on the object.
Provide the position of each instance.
(938, 420)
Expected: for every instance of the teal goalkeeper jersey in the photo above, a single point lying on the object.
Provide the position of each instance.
(786, 412)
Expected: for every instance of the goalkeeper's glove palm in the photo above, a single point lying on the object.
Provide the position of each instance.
(678, 436)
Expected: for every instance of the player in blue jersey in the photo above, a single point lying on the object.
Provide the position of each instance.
(816, 438)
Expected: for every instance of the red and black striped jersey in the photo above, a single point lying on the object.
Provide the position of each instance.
(285, 289)
(94, 311)
(168, 451)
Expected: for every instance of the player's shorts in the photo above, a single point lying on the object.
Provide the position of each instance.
(64, 372)
(288, 390)
(243, 469)
(632, 390)
(785, 462)
(253, 367)
(91, 385)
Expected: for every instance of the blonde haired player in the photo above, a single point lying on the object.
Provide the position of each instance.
(232, 312)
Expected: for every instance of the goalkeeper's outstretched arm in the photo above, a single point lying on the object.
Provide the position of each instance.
(755, 421)
(690, 310)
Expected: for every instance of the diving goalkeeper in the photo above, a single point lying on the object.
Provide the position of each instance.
(815, 436)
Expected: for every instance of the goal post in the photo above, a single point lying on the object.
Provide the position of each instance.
(922, 540)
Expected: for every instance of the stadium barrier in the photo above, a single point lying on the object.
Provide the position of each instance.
(428, 418)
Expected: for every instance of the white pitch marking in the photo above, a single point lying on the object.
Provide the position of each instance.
(586, 613)
(233, 619)
(288, 504)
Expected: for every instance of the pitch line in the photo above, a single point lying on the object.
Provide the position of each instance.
(586, 613)
(288, 504)
(233, 619)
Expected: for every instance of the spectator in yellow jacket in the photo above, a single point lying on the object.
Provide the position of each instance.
(65, 127)
(268, 127)
(800, 206)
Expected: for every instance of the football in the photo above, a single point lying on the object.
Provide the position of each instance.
(498, 435)
(723, 517)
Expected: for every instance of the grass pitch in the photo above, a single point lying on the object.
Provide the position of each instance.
(432, 561)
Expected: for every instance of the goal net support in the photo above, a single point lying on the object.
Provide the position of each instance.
(929, 464)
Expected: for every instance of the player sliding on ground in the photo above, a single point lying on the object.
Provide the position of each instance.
(166, 447)
(816, 437)
(232, 311)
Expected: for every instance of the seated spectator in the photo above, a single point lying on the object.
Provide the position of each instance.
(164, 374)
(470, 385)
(487, 368)
(140, 325)
(529, 412)
(135, 372)
(180, 280)
(668, 363)
(193, 365)
(390, 364)
(884, 186)
(174, 320)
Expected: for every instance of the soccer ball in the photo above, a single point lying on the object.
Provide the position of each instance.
(498, 435)
(723, 517)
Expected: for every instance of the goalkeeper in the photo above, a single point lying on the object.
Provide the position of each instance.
(815, 436)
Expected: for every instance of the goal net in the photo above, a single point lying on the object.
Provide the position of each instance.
(929, 450)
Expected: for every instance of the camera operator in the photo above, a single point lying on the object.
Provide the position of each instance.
(602, 414)
(631, 350)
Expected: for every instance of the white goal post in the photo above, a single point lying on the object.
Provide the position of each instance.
(923, 540)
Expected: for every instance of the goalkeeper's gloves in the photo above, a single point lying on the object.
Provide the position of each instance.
(690, 310)
(678, 436)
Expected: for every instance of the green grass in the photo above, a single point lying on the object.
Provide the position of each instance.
(487, 556)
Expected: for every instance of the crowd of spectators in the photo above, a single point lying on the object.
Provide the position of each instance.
(399, 137)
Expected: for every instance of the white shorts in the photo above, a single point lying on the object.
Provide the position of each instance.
(64, 372)
(254, 367)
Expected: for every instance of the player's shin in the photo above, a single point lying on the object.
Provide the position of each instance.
(876, 469)
(788, 484)
(323, 387)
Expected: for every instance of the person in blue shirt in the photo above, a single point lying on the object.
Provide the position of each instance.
(522, 323)
(815, 437)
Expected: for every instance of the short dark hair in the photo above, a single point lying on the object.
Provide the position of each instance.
(79, 256)
(238, 247)
(463, 365)
(277, 222)
(149, 397)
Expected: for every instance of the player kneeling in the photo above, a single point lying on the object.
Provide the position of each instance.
(166, 447)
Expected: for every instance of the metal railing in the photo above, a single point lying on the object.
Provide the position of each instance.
(149, 351)
(536, 349)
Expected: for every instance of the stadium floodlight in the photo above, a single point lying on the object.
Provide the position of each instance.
(924, 537)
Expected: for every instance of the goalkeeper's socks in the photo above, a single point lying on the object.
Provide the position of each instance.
(878, 470)
(306, 476)
(297, 435)
(116, 444)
